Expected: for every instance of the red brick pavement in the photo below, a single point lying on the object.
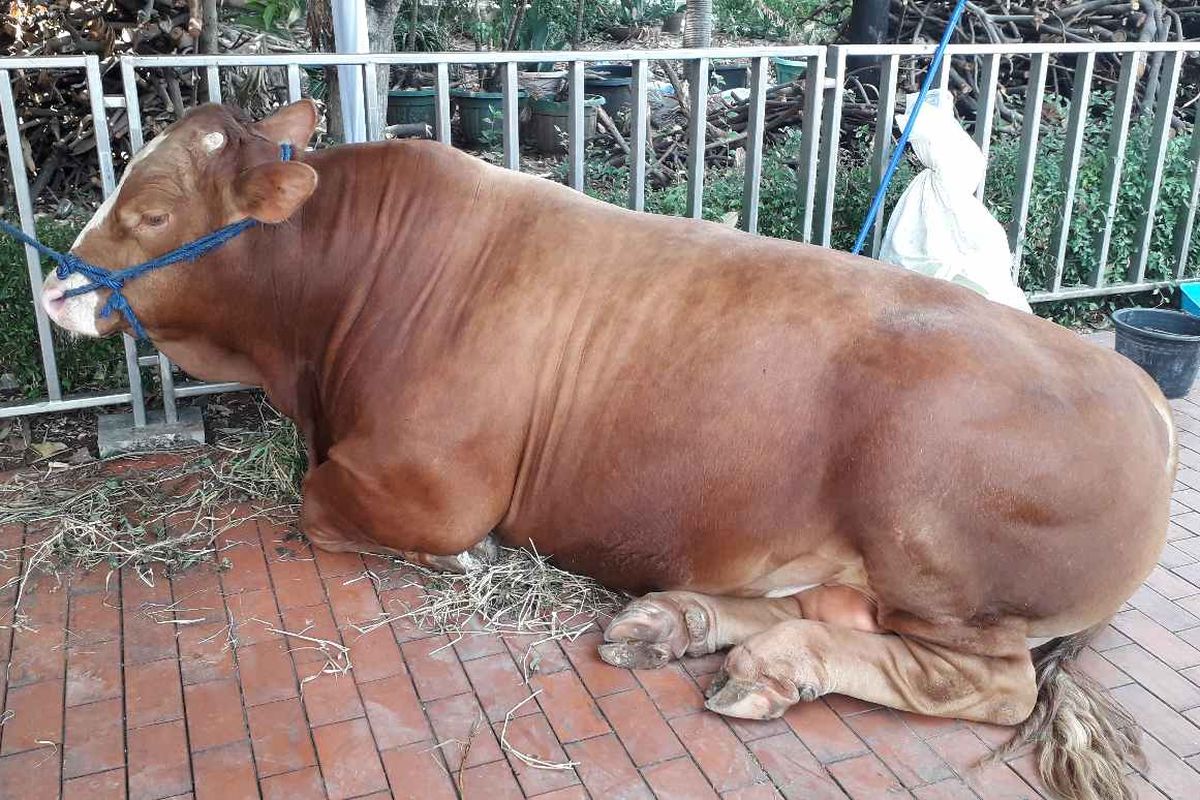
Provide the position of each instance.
(202, 700)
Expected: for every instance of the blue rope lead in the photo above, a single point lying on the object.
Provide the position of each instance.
(115, 280)
(898, 153)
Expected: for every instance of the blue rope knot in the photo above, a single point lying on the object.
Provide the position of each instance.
(115, 280)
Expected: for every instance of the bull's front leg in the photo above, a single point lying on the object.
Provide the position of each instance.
(801, 660)
(341, 512)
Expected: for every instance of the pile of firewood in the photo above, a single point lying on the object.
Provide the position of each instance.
(57, 129)
(922, 22)
(1005, 22)
(1051, 21)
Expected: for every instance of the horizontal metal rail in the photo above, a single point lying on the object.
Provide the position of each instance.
(469, 57)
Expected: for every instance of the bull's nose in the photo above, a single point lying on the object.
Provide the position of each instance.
(53, 300)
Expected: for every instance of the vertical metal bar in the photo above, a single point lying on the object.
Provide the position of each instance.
(132, 107)
(512, 141)
(943, 74)
(1039, 64)
(108, 185)
(575, 143)
(170, 408)
(212, 77)
(33, 262)
(360, 122)
(371, 108)
(989, 81)
(810, 141)
(1081, 103)
(889, 76)
(108, 181)
(443, 102)
(293, 79)
(1165, 111)
(751, 189)
(638, 122)
(697, 129)
(1187, 222)
(831, 134)
(1111, 185)
(133, 114)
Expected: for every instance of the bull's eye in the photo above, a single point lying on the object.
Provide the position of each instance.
(155, 220)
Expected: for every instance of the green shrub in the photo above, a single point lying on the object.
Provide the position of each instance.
(1087, 222)
(83, 364)
(781, 210)
(780, 20)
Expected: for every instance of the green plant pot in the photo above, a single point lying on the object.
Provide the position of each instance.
(481, 115)
(787, 71)
(616, 91)
(673, 23)
(541, 83)
(549, 120)
(411, 105)
(730, 76)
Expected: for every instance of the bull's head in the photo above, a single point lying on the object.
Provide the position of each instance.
(209, 169)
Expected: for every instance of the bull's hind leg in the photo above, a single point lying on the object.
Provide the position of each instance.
(801, 660)
(662, 626)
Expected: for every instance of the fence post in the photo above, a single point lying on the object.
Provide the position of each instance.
(831, 136)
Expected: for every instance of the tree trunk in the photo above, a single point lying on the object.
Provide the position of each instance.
(320, 30)
(209, 41)
(697, 26)
(381, 36)
(869, 23)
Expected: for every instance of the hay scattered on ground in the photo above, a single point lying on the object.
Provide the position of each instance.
(521, 593)
(162, 519)
(530, 761)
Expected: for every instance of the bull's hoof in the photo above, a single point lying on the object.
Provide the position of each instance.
(655, 629)
(482, 554)
(487, 551)
(761, 699)
(636, 655)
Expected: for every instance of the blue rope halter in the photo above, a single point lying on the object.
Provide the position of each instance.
(115, 280)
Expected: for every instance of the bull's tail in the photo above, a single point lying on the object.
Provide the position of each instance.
(1083, 737)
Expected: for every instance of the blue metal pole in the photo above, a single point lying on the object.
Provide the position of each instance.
(877, 203)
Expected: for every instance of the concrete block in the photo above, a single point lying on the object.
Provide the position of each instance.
(116, 434)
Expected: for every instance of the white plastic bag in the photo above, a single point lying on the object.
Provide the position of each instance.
(939, 228)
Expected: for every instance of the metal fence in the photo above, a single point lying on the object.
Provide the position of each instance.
(828, 84)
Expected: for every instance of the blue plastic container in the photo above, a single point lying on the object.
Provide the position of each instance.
(1189, 298)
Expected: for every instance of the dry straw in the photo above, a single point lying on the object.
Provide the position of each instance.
(162, 519)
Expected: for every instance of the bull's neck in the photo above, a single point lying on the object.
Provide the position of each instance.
(287, 295)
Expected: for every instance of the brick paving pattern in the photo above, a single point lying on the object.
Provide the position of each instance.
(118, 689)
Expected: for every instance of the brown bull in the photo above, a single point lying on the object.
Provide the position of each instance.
(861, 480)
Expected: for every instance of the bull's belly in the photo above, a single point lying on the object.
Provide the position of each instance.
(628, 554)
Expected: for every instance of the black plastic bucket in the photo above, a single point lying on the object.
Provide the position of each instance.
(1164, 343)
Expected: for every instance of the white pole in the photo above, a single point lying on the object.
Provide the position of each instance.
(350, 36)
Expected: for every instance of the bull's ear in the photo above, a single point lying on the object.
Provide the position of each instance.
(273, 191)
(293, 124)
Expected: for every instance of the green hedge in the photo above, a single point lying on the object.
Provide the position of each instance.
(781, 213)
